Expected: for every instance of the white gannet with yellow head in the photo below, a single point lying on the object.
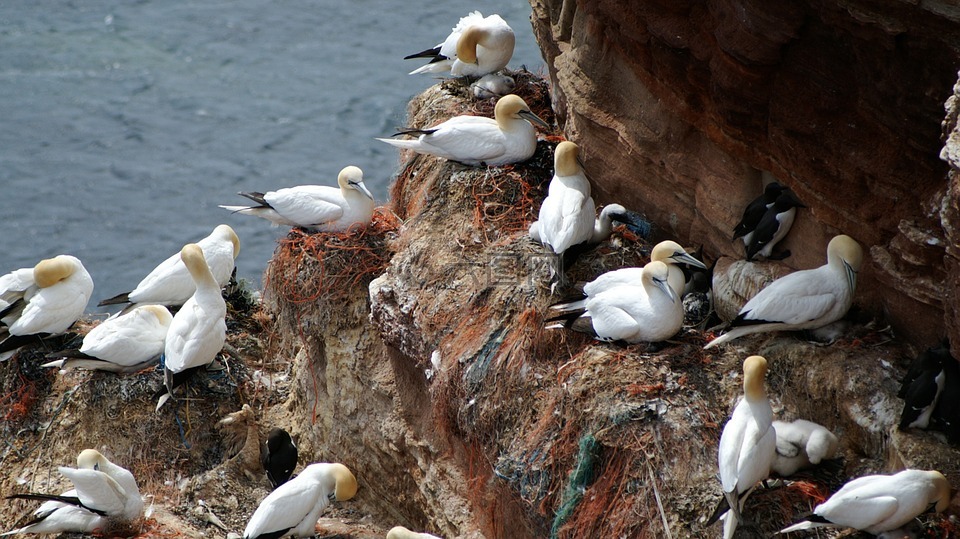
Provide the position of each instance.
(567, 214)
(669, 252)
(104, 495)
(476, 47)
(651, 312)
(295, 506)
(198, 330)
(879, 503)
(506, 138)
(748, 445)
(806, 299)
(124, 343)
(399, 532)
(317, 207)
(170, 282)
(44, 300)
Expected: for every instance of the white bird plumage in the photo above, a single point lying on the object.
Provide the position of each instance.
(399, 532)
(125, 342)
(879, 503)
(317, 207)
(170, 282)
(669, 252)
(294, 507)
(806, 299)
(747, 444)
(198, 330)
(507, 138)
(99, 485)
(476, 46)
(650, 312)
(800, 444)
(566, 216)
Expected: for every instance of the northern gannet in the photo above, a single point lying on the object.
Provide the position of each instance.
(922, 386)
(747, 445)
(44, 300)
(476, 46)
(278, 455)
(800, 444)
(124, 343)
(316, 207)
(295, 506)
(879, 503)
(104, 494)
(773, 227)
(170, 282)
(806, 299)
(651, 312)
(399, 532)
(198, 330)
(669, 252)
(755, 211)
(568, 212)
(507, 138)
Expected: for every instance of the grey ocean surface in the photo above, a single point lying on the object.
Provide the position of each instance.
(124, 124)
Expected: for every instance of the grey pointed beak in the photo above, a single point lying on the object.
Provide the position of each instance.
(363, 189)
(533, 118)
(665, 286)
(851, 275)
(687, 258)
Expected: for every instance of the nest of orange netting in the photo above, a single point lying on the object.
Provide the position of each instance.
(325, 266)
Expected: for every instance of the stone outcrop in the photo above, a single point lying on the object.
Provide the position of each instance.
(684, 108)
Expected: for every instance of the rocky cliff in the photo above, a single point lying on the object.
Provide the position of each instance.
(683, 108)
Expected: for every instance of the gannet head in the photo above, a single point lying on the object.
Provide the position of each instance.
(657, 273)
(843, 251)
(671, 251)
(565, 159)
(193, 259)
(512, 107)
(227, 233)
(51, 271)
(90, 459)
(346, 483)
(467, 44)
(940, 497)
(162, 313)
(351, 177)
(754, 371)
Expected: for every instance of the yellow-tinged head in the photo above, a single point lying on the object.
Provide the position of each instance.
(53, 270)
(657, 273)
(941, 495)
(754, 371)
(512, 107)
(90, 459)
(227, 233)
(162, 313)
(467, 44)
(351, 177)
(565, 159)
(193, 259)
(672, 252)
(346, 483)
(845, 248)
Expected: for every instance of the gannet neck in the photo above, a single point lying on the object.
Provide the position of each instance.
(225, 232)
(565, 161)
(196, 264)
(467, 44)
(941, 491)
(162, 313)
(754, 371)
(53, 270)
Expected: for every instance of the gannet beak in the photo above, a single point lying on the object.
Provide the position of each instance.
(687, 258)
(663, 285)
(851, 275)
(533, 118)
(362, 188)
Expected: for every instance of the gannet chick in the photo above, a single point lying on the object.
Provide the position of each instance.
(170, 282)
(399, 532)
(44, 300)
(198, 330)
(922, 387)
(295, 506)
(747, 445)
(124, 343)
(476, 140)
(493, 86)
(567, 214)
(806, 299)
(476, 46)
(802, 444)
(879, 503)
(104, 495)
(278, 455)
(650, 312)
(316, 207)
(754, 212)
(773, 227)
